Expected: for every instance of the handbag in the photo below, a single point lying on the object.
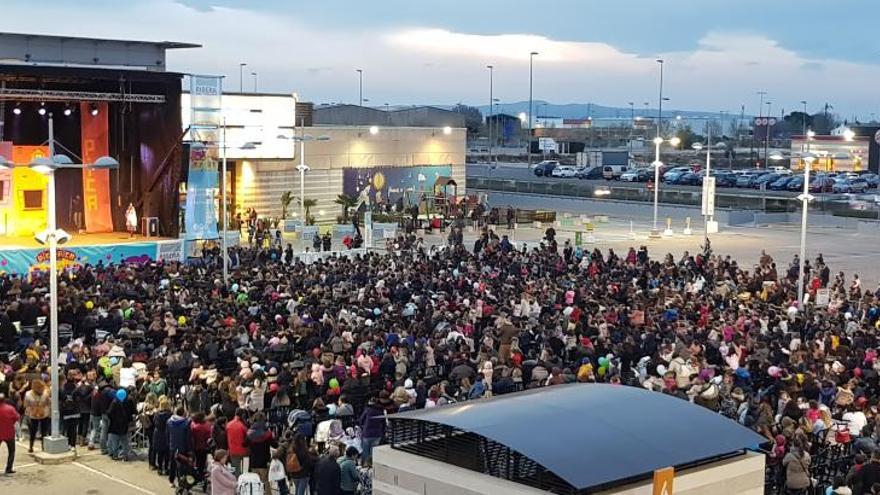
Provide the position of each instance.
(276, 470)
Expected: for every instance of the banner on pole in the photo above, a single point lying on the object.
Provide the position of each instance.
(203, 180)
(96, 183)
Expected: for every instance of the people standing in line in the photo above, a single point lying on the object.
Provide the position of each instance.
(8, 418)
(236, 433)
(298, 462)
(159, 443)
(120, 414)
(37, 408)
(328, 474)
(179, 441)
(201, 434)
(223, 481)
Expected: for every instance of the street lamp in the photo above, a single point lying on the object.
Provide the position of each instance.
(56, 443)
(491, 108)
(241, 67)
(303, 168)
(659, 116)
(531, 66)
(657, 164)
(805, 198)
(849, 134)
(360, 86)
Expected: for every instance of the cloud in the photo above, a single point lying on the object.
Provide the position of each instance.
(411, 65)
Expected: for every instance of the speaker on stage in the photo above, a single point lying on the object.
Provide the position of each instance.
(150, 226)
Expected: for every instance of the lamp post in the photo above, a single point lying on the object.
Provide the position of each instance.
(708, 185)
(56, 443)
(255, 81)
(303, 168)
(657, 164)
(491, 100)
(360, 87)
(659, 114)
(805, 198)
(531, 67)
(241, 67)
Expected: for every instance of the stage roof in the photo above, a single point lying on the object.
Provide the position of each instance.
(38, 49)
(596, 434)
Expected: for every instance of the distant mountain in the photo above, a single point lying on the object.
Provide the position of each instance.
(543, 108)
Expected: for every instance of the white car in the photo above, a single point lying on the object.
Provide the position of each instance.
(564, 171)
(632, 175)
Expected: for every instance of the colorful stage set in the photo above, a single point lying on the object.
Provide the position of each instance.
(132, 116)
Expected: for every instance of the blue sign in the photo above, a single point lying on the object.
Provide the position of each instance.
(24, 261)
(201, 186)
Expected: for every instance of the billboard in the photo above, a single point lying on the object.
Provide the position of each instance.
(390, 183)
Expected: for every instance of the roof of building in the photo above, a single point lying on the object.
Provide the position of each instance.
(416, 116)
(596, 434)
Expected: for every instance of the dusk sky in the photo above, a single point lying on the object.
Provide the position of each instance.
(719, 53)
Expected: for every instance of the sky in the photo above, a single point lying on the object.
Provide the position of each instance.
(718, 53)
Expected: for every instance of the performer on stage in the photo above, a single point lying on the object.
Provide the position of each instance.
(131, 220)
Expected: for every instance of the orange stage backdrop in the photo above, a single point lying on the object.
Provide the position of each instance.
(96, 183)
(24, 155)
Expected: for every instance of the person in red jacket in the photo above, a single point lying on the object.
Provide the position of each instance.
(236, 431)
(201, 434)
(8, 417)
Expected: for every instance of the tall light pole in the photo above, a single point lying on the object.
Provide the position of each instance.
(360, 87)
(56, 443)
(660, 108)
(708, 184)
(241, 67)
(805, 198)
(767, 134)
(804, 125)
(632, 125)
(303, 168)
(657, 164)
(531, 67)
(491, 101)
(255, 81)
(223, 206)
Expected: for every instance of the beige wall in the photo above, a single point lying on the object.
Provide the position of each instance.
(260, 183)
(400, 473)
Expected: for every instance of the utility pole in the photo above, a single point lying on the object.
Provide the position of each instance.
(531, 67)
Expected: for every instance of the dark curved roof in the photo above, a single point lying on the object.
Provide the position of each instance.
(596, 434)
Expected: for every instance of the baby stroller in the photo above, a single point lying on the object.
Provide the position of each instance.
(188, 476)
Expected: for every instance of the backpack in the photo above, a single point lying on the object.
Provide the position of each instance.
(249, 484)
(291, 463)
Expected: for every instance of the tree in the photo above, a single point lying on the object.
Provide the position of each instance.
(308, 203)
(823, 123)
(796, 122)
(287, 197)
(347, 202)
(687, 137)
(473, 118)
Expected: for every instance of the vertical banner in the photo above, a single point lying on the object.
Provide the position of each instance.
(201, 215)
(203, 181)
(96, 183)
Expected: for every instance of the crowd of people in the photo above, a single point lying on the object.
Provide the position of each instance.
(289, 370)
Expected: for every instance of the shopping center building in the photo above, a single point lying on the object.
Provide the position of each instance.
(400, 153)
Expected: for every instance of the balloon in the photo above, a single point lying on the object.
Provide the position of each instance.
(121, 394)
(181, 320)
(603, 361)
(234, 287)
(455, 272)
(377, 311)
(333, 383)
(90, 305)
(602, 371)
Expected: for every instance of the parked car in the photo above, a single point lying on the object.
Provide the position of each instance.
(854, 186)
(725, 179)
(545, 168)
(690, 179)
(779, 169)
(872, 179)
(637, 175)
(780, 183)
(673, 173)
(745, 180)
(821, 184)
(612, 172)
(591, 173)
(564, 171)
(795, 184)
(765, 180)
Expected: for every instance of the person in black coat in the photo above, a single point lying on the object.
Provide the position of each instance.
(328, 475)
(160, 436)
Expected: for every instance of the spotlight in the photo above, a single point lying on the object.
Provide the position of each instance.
(42, 109)
(67, 112)
(16, 110)
(94, 110)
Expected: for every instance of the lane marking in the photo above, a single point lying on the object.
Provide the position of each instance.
(113, 478)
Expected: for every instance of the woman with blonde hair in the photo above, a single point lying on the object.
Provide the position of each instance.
(37, 408)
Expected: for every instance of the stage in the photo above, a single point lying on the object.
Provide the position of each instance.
(23, 255)
(79, 240)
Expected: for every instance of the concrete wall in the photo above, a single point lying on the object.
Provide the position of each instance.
(400, 473)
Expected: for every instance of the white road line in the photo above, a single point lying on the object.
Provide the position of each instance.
(22, 466)
(113, 478)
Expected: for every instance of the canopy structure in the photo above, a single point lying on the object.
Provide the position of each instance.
(572, 438)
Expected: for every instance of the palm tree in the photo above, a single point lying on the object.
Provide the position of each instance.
(287, 197)
(308, 203)
(347, 202)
